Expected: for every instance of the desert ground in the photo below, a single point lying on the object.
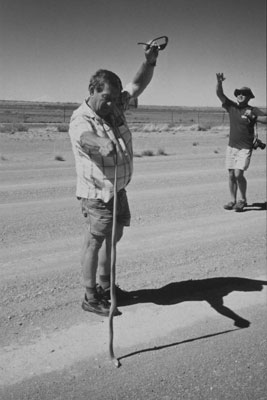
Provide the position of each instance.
(184, 341)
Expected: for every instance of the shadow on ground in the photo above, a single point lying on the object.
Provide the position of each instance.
(255, 207)
(212, 290)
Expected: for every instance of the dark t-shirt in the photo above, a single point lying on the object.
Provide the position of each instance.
(241, 128)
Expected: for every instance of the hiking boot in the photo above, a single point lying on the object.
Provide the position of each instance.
(98, 305)
(240, 205)
(229, 206)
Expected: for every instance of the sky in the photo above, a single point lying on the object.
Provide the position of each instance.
(50, 48)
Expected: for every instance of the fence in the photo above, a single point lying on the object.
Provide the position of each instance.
(27, 112)
(207, 117)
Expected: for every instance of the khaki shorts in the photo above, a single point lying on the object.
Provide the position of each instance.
(99, 215)
(237, 159)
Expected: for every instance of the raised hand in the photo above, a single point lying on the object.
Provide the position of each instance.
(151, 53)
(220, 77)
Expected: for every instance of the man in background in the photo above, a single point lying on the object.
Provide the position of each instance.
(243, 118)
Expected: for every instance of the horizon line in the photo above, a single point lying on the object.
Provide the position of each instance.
(140, 105)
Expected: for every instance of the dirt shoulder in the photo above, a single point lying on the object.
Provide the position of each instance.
(179, 234)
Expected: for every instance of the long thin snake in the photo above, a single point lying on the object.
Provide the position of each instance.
(113, 270)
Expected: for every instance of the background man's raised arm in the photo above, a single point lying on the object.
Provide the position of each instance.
(219, 87)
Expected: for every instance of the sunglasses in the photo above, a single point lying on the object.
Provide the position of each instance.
(243, 93)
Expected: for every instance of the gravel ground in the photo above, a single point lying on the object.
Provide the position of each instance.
(171, 347)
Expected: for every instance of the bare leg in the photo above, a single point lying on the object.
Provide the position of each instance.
(104, 259)
(242, 183)
(232, 185)
(89, 258)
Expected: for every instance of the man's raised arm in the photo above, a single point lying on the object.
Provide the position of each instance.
(145, 72)
(219, 87)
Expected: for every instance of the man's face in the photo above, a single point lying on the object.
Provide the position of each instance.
(102, 102)
(243, 98)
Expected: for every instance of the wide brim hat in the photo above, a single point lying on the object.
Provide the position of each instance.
(246, 90)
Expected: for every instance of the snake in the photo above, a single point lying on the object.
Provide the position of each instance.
(113, 299)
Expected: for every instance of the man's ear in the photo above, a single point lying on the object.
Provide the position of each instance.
(91, 90)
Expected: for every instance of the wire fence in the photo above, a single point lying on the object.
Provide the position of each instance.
(60, 113)
(179, 116)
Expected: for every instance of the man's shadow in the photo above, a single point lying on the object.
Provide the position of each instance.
(255, 207)
(211, 290)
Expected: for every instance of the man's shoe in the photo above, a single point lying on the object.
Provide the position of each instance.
(96, 305)
(239, 207)
(229, 206)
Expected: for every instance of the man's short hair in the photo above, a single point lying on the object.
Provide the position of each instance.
(101, 77)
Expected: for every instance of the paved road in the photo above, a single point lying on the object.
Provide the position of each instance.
(198, 354)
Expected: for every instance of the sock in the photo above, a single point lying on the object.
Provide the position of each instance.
(90, 292)
(104, 281)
